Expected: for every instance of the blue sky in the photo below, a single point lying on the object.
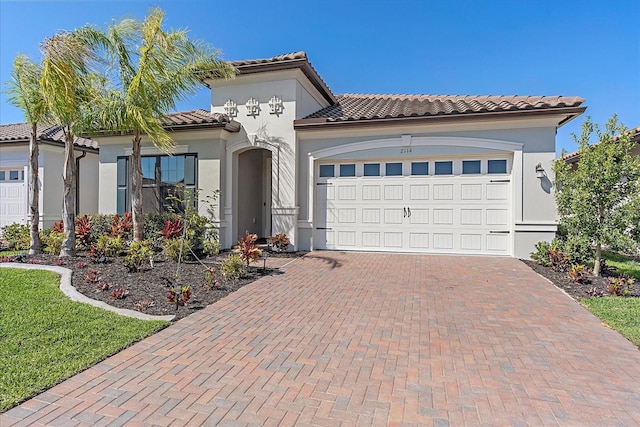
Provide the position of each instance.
(581, 48)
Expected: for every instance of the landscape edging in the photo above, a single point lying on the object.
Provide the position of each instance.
(67, 288)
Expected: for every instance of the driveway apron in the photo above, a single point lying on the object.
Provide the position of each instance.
(366, 339)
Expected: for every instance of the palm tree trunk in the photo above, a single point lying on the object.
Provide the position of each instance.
(136, 189)
(69, 199)
(35, 246)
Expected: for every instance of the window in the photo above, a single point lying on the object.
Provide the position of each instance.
(327, 171)
(12, 175)
(167, 182)
(393, 169)
(497, 166)
(419, 168)
(444, 168)
(372, 169)
(348, 170)
(470, 167)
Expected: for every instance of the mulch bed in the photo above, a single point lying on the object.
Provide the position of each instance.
(148, 289)
(586, 288)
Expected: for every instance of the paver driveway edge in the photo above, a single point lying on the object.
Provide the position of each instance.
(366, 339)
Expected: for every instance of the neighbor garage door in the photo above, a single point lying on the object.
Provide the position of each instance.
(13, 197)
(411, 210)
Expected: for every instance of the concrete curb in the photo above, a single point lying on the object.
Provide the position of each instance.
(67, 288)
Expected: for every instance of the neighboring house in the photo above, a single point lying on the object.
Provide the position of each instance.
(14, 160)
(402, 173)
(574, 157)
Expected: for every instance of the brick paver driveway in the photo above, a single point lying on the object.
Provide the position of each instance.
(367, 339)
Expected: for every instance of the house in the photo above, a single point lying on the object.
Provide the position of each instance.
(403, 173)
(574, 157)
(14, 160)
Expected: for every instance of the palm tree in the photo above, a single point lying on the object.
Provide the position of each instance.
(24, 92)
(68, 87)
(155, 69)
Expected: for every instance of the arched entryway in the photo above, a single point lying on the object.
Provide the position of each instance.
(253, 193)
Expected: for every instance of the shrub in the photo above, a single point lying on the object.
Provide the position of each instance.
(100, 226)
(153, 224)
(211, 247)
(558, 260)
(179, 294)
(172, 229)
(210, 279)
(92, 276)
(171, 248)
(17, 236)
(83, 231)
(121, 226)
(577, 272)
(138, 254)
(144, 304)
(233, 267)
(110, 246)
(52, 241)
(280, 241)
(577, 249)
(103, 286)
(541, 254)
(118, 293)
(619, 286)
(248, 248)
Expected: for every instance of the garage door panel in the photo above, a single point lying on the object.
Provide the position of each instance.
(497, 242)
(443, 216)
(371, 192)
(347, 238)
(419, 216)
(371, 216)
(419, 192)
(471, 242)
(371, 239)
(471, 216)
(443, 192)
(393, 192)
(443, 240)
(347, 216)
(393, 216)
(497, 216)
(346, 192)
(419, 240)
(497, 191)
(471, 192)
(393, 240)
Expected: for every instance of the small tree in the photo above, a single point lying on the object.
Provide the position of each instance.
(25, 93)
(599, 199)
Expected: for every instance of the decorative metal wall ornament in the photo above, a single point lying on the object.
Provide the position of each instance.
(231, 108)
(275, 105)
(253, 107)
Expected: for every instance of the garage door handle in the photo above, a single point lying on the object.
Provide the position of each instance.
(405, 212)
(324, 183)
(500, 180)
(409, 212)
(499, 232)
(323, 228)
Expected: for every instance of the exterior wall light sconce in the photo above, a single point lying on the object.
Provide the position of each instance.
(540, 172)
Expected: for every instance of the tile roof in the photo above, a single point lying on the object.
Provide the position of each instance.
(20, 132)
(194, 117)
(352, 107)
(281, 62)
(575, 156)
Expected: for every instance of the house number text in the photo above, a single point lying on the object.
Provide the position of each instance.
(405, 150)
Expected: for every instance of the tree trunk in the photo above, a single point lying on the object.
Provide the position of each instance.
(69, 197)
(597, 263)
(35, 247)
(136, 189)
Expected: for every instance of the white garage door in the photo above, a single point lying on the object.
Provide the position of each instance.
(13, 197)
(466, 214)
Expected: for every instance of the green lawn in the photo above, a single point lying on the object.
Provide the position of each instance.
(45, 337)
(622, 314)
(625, 265)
